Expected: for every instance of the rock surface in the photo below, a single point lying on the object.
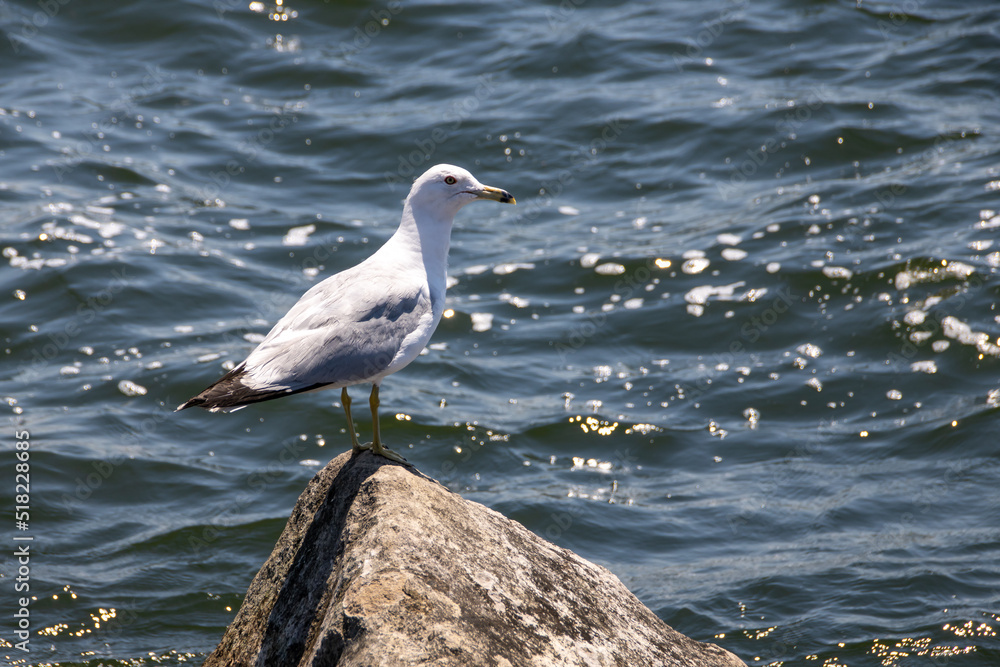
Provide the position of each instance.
(382, 566)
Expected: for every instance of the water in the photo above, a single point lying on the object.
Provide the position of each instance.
(737, 342)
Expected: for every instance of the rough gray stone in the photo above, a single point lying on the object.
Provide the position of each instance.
(382, 566)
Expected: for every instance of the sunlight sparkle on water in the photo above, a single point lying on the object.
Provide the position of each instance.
(609, 269)
(695, 265)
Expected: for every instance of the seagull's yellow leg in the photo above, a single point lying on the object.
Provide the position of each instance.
(377, 446)
(373, 403)
(345, 399)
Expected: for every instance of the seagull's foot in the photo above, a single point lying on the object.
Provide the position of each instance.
(357, 449)
(381, 450)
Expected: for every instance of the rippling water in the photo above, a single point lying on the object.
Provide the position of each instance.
(738, 341)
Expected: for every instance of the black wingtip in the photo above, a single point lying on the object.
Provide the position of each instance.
(190, 403)
(229, 394)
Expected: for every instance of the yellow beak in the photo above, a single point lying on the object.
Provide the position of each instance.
(495, 194)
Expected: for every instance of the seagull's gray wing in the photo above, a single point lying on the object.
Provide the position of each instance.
(344, 330)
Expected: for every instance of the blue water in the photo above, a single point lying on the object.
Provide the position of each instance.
(738, 341)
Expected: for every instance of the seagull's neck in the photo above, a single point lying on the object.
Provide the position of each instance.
(425, 243)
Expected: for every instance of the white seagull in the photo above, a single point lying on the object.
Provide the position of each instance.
(366, 322)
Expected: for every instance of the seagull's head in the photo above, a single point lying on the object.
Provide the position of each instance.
(446, 188)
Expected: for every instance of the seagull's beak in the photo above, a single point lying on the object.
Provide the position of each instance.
(495, 194)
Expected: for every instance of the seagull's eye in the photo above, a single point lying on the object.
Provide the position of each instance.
(450, 180)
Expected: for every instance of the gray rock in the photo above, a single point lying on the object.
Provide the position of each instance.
(382, 566)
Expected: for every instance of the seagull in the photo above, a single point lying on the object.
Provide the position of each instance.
(366, 322)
